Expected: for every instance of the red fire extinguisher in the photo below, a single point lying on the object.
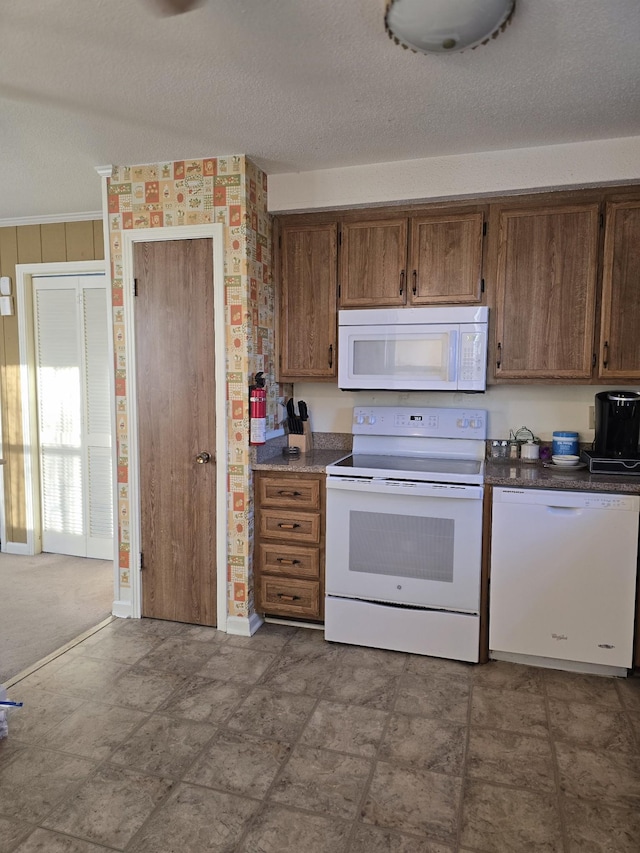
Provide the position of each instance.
(258, 411)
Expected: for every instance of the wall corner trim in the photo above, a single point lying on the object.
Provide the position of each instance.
(104, 171)
(242, 626)
(122, 609)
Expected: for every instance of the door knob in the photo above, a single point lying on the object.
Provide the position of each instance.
(203, 457)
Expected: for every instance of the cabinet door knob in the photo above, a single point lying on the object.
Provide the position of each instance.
(203, 457)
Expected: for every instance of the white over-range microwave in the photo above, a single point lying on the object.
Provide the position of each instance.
(413, 349)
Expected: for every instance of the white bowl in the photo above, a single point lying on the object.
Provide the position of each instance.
(565, 461)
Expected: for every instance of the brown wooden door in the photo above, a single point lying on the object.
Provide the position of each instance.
(446, 258)
(373, 263)
(546, 284)
(619, 356)
(308, 302)
(176, 422)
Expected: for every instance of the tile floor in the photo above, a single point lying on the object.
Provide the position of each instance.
(154, 737)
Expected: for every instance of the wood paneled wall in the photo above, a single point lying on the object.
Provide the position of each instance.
(30, 244)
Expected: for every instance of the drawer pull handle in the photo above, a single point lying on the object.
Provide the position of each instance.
(283, 597)
(287, 525)
(287, 562)
(286, 494)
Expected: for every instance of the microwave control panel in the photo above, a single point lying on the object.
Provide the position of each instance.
(473, 356)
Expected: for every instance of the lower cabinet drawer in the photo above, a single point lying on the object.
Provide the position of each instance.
(287, 492)
(290, 597)
(289, 526)
(289, 560)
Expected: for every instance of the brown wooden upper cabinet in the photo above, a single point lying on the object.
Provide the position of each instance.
(416, 260)
(373, 263)
(308, 301)
(619, 345)
(546, 278)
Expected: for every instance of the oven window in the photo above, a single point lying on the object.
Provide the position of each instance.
(382, 543)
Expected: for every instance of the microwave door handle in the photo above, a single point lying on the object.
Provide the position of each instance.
(454, 337)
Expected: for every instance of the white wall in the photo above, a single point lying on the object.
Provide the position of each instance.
(542, 408)
(580, 164)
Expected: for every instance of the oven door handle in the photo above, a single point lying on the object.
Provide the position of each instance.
(444, 491)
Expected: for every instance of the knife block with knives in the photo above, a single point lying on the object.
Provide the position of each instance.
(299, 426)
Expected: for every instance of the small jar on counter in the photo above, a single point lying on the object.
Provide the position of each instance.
(499, 449)
(530, 451)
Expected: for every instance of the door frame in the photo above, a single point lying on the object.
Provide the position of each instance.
(30, 440)
(215, 232)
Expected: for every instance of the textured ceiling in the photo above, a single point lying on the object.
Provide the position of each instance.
(295, 84)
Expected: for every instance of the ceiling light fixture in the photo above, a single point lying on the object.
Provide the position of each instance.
(446, 26)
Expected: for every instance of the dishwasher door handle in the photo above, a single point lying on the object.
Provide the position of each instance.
(563, 510)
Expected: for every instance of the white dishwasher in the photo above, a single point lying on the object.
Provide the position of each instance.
(563, 578)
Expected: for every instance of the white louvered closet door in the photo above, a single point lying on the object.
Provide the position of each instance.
(73, 403)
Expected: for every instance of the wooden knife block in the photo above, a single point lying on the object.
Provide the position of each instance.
(304, 441)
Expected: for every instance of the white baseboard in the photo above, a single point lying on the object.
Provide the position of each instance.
(242, 626)
(122, 609)
(17, 548)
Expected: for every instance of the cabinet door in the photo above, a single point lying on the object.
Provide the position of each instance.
(619, 335)
(446, 258)
(373, 260)
(546, 284)
(308, 302)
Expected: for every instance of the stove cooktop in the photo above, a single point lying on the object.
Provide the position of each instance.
(420, 468)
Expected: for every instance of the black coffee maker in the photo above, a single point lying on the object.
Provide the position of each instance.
(618, 428)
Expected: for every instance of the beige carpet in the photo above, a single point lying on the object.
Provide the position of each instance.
(46, 601)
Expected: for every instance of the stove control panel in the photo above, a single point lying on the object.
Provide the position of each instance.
(420, 421)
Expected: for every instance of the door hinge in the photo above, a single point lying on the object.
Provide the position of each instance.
(141, 561)
(135, 287)
(339, 291)
(280, 242)
(481, 285)
(602, 220)
(339, 236)
(484, 229)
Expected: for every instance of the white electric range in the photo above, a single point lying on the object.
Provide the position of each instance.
(404, 532)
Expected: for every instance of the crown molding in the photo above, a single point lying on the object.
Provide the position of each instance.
(55, 217)
(104, 171)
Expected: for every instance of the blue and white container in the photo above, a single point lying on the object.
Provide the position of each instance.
(565, 443)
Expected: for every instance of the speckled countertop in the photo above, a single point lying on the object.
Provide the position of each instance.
(328, 448)
(514, 472)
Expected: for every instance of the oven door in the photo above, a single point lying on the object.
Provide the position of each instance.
(418, 544)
